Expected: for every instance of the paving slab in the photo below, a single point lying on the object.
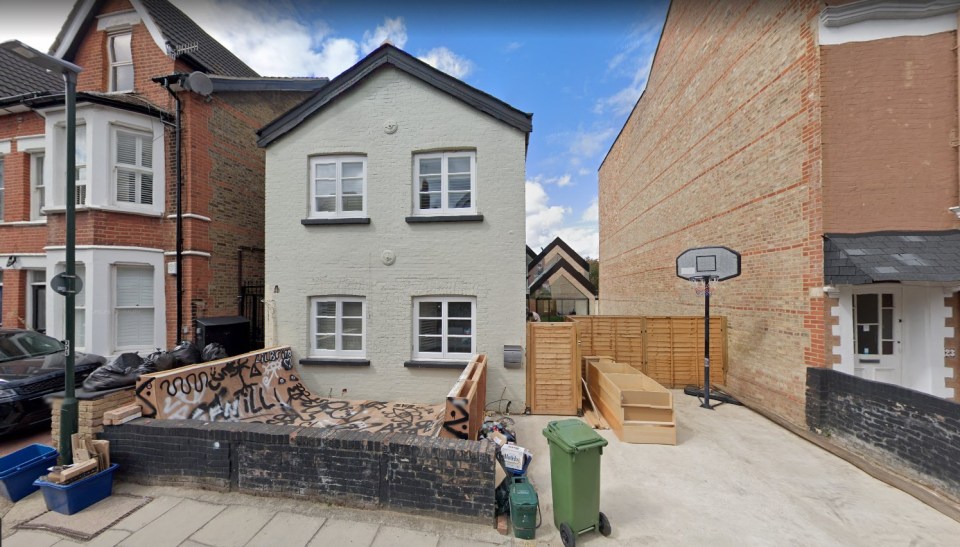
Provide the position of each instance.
(233, 527)
(287, 529)
(147, 514)
(449, 541)
(105, 539)
(344, 533)
(87, 524)
(174, 526)
(391, 536)
(31, 538)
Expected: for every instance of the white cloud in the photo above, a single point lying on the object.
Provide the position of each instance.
(633, 61)
(275, 42)
(583, 171)
(587, 144)
(513, 46)
(392, 30)
(561, 181)
(592, 214)
(443, 59)
(545, 222)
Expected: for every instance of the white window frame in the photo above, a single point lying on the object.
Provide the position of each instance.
(115, 307)
(312, 181)
(114, 64)
(445, 209)
(338, 351)
(37, 187)
(444, 355)
(81, 155)
(144, 139)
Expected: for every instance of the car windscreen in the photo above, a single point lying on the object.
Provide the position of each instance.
(23, 344)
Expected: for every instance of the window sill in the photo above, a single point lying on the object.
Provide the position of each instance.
(435, 364)
(59, 209)
(335, 362)
(444, 218)
(332, 221)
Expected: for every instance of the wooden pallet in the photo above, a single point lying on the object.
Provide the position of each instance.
(638, 409)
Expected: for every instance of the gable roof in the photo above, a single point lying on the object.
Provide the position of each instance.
(20, 77)
(557, 242)
(384, 55)
(167, 25)
(858, 259)
(561, 266)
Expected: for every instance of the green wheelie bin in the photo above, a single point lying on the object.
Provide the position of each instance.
(575, 450)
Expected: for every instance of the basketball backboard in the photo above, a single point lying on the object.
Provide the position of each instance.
(714, 263)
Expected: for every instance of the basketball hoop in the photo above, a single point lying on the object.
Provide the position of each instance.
(703, 288)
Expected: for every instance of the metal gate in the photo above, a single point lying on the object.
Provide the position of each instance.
(251, 307)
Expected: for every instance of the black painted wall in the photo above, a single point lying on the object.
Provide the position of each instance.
(446, 478)
(912, 433)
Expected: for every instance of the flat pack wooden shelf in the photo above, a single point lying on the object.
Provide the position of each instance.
(463, 413)
(638, 409)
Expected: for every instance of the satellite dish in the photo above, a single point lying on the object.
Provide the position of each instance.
(198, 83)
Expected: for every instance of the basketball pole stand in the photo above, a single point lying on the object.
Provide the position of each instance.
(706, 344)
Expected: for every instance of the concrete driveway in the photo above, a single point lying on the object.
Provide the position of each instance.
(735, 478)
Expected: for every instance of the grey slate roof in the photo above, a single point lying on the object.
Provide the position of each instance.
(388, 54)
(858, 259)
(19, 77)
(178, 29)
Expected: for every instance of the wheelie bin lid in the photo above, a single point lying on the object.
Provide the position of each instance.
(573, 436)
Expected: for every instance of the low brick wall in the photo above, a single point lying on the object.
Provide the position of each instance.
(445, 478)
(90, 410)
(912, 433)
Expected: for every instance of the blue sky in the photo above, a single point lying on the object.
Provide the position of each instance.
(578, 66)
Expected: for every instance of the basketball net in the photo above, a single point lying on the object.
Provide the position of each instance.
(703, 289)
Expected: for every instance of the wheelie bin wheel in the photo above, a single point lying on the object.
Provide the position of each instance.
(605, 528)
(566, 536)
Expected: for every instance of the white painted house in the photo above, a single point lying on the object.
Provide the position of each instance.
(395, 229)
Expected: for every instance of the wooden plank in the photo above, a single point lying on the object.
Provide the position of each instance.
(633, 422)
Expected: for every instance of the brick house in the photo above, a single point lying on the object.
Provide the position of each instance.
(558, 281)
(820, 141)
(394, 232)
(126, 176)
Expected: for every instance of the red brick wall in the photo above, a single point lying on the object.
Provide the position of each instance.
(888, 130)
(723, 149)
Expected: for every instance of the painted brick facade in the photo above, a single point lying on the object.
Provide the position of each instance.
(723, 149)
(483, 259)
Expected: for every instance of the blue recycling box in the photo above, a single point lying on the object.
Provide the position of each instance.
(19, 469)
(77, 496)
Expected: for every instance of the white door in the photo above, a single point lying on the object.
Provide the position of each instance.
(876, 331)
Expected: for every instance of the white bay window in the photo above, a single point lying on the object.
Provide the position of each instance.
(133, 167)
(133, 306)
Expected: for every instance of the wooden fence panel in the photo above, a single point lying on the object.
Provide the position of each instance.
(667, 349)
(553, 369)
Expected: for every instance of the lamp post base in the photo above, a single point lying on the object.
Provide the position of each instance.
(68, 426)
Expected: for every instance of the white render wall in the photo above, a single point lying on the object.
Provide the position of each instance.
(482, 259)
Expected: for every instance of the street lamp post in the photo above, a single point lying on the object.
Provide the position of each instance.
(68, 410)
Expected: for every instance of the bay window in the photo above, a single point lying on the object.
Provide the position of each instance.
(133, 167)
(133, 312)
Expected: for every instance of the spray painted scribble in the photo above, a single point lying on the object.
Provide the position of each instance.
(264, 387)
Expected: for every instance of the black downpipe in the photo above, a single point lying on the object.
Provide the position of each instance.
(179, 191)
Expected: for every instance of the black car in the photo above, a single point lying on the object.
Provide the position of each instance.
(32, 366)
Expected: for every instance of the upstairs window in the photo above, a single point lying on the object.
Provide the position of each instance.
(338, 186)
(121, 62)
(38, 197)
(445, 183)
(133, 167)
(80, 165)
